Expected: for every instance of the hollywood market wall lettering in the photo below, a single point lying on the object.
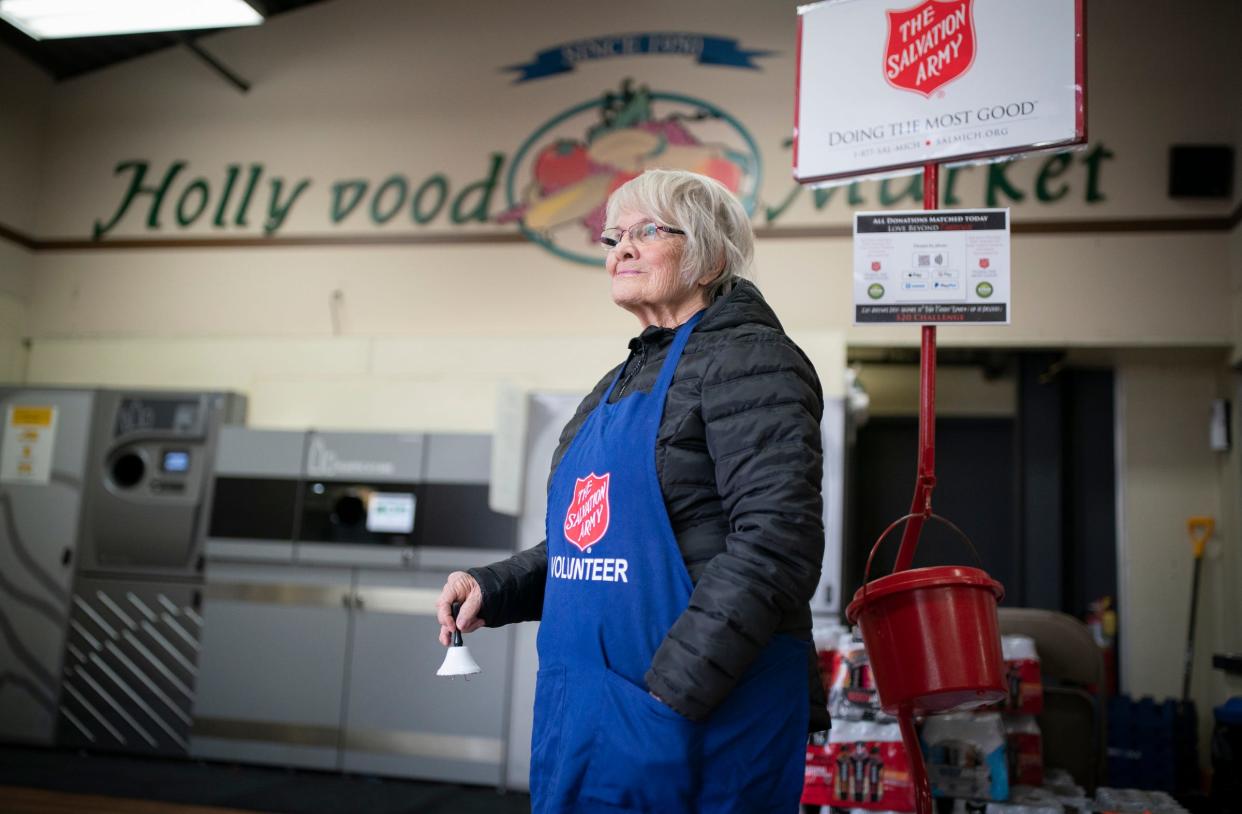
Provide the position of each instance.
(706, 50)
(244, 192)
(230, 199)
(1051, 185)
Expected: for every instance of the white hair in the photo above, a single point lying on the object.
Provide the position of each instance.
(720, 243)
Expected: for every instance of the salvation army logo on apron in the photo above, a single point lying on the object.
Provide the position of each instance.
(586, 519)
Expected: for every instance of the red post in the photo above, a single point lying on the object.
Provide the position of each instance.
(922, 503)
(926, 480)
(923, 803)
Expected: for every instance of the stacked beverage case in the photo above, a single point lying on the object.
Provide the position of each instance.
(861, 762)
(988, 761)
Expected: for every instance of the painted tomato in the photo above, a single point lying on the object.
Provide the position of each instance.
(560, 164)
(724, 171)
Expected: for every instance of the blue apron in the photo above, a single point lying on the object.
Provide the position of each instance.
(616, 583)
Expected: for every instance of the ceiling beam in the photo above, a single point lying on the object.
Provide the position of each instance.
(216, 65)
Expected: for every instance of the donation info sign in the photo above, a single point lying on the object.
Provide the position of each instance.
(930, 267)
(883, 86)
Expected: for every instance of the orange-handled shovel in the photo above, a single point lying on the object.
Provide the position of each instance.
(1200, 530)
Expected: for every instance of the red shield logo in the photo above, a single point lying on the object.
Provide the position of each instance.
(929, 45)
(586, 519)
(875, 265)
(983, 263)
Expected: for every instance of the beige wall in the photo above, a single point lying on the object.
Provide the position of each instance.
(16, 279)
(396, 87)
(363, 108)
(1168, 474)
(24, 97)
(1225, 558)
(13, 325)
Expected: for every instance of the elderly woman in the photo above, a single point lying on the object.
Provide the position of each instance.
(684, 537)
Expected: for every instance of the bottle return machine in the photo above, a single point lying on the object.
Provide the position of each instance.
(326, 553)
(102, 497)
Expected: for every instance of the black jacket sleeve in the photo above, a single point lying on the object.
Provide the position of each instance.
(762, 406)
(513, 588)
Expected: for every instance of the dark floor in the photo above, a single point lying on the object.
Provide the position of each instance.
(278, 791)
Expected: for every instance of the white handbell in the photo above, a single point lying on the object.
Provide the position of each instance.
(458, 661)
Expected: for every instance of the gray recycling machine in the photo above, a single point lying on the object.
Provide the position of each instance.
(325, 555)
(102, 498)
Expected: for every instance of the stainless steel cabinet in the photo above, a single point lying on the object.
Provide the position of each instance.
(334, 668)
(272, 669)
(402, 719)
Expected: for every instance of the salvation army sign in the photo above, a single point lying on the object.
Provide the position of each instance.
(929, 45)
(884, 86)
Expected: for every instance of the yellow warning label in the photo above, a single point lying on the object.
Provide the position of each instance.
(32, 416)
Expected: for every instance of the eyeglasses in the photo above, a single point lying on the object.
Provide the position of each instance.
(645, 232)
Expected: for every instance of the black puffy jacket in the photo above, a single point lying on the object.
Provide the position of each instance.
(740, 465)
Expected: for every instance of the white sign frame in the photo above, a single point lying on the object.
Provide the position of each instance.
(932, 267)
(851, 120)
